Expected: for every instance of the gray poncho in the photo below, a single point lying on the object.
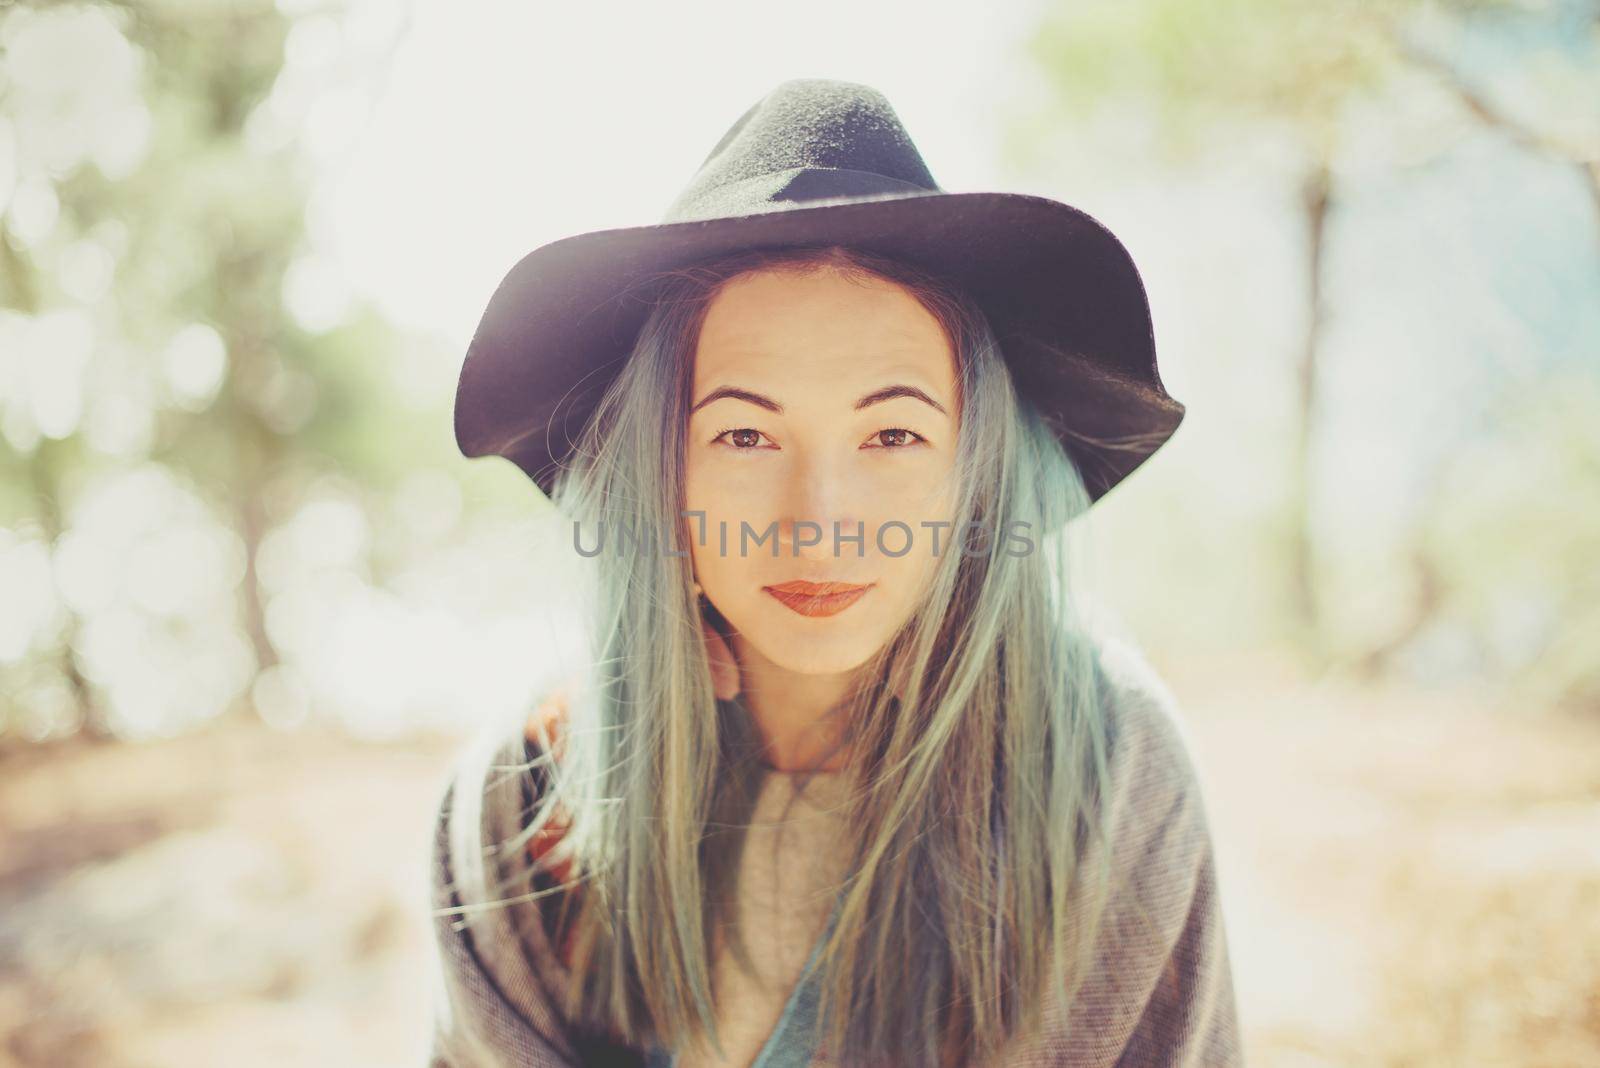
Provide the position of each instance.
(1160, 996)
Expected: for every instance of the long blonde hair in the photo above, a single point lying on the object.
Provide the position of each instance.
(977, 739)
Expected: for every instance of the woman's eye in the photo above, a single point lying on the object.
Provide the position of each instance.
(743, 439)
(748, 439)
(895, 438)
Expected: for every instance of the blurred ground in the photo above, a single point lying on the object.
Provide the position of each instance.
(1409, 878)
(235, 896)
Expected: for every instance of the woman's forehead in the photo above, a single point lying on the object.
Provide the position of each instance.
(823, 324)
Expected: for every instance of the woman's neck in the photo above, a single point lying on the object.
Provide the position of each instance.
(795, 714)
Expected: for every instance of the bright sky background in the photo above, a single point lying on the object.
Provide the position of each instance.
(502, 126)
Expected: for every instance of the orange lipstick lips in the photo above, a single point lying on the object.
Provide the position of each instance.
(818, 598)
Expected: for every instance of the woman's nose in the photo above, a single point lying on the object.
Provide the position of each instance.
(820, 494)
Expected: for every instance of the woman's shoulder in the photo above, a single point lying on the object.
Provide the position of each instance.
(1147, 727)
(493, 787)
(1154, 786)
(495, 956)
(1165, 928)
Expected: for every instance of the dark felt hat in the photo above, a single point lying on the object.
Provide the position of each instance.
(817, 162)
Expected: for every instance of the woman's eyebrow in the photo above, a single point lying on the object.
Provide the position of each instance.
(736, 393)
(877, 396)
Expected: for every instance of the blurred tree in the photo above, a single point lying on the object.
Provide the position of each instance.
(1566, 135)
(1503, 554)
(1213, 73)
(1519, 539)
(241, 212)
(182, 197)
(1207, 68)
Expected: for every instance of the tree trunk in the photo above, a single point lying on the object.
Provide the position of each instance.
(1303, 599)
(46, 486)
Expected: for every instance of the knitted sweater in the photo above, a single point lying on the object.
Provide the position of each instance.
(1159, 995)
(789, 874)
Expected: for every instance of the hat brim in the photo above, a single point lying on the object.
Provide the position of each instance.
(1061, 292)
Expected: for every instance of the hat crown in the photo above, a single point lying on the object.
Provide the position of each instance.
(808, 139)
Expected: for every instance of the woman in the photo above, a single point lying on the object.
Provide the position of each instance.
(854, 777)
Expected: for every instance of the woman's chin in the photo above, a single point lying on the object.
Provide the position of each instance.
(815, 646)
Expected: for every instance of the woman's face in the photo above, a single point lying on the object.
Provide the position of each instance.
(819, 399)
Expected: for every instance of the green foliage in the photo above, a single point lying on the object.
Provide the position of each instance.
(1198, 65)
(1503, 563)
(194, 352)
(1516, 537)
